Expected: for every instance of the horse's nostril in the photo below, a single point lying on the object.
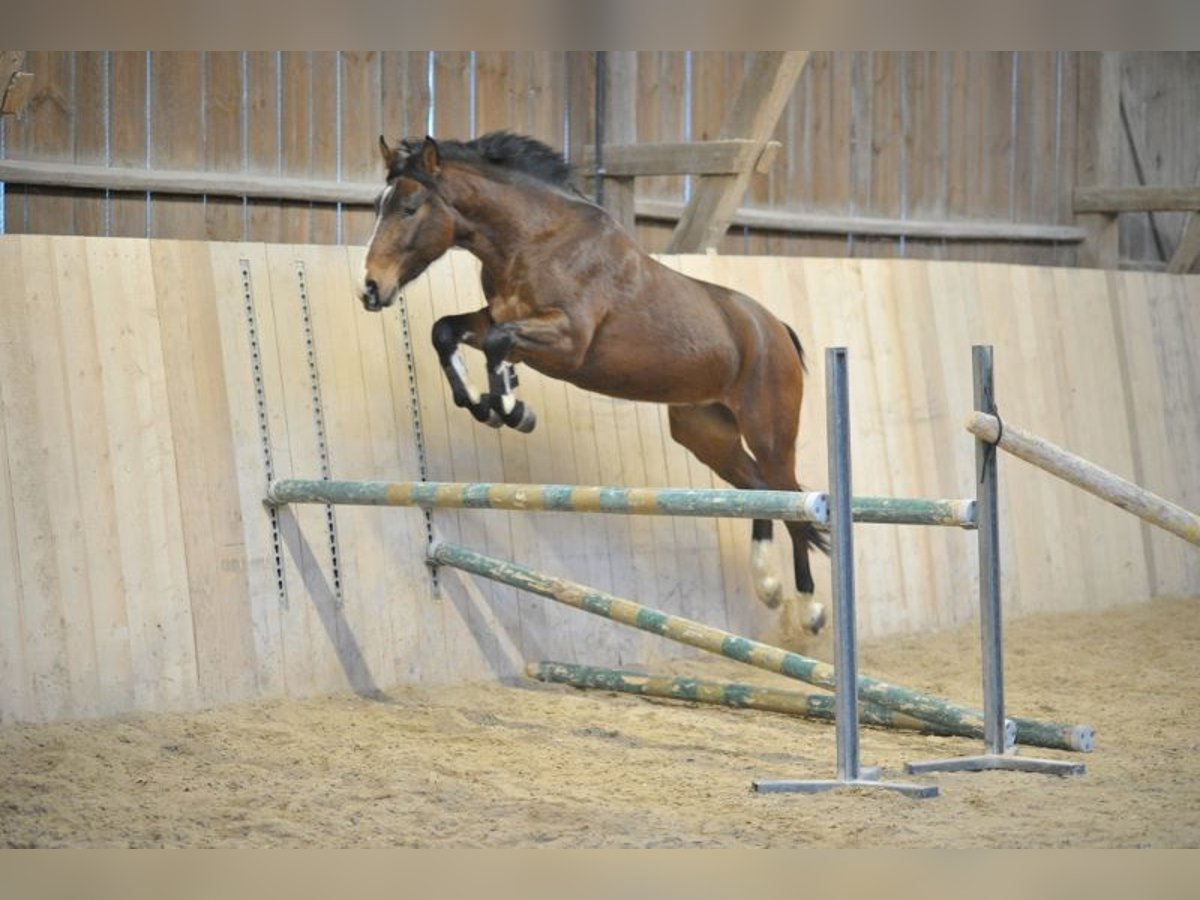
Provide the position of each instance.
(372, 288)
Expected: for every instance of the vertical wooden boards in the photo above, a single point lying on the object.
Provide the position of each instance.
(200, 422)
(243, 316)
(142, 453)
(140, 567)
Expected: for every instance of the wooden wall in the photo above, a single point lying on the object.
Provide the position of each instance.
(981, 135)
(139, 569)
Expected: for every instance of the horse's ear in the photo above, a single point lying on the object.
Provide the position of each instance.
(431, 157)
(386, 152)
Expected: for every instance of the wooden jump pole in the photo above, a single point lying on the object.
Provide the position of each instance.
(711, 502)
(704, 637)
(1087, 475)
(714, 502)
(806, 704)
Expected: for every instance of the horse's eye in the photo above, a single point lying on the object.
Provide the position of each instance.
(410, 207)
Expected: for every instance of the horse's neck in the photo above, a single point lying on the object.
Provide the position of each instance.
(495, 226)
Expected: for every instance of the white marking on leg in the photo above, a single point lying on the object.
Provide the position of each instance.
(460, 369)
(767, 585)
(508, 400)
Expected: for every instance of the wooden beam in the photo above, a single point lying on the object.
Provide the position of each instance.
(873, 226)
(263, 187)
(1114, 200)
(726, 157)
(1186, 253)
(1097, 152)
(755, 111)
(1134, 125)
(165, 181)
(15, 84)
(620, 127)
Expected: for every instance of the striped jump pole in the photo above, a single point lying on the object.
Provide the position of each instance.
(704, 637)
(806, 704)
(809, 506)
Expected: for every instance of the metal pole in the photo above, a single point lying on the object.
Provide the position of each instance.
(988, 531)
(841, 556)
(996, 727)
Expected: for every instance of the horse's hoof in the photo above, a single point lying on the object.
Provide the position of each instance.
(816, 618)
(485, 413)
(522, 418)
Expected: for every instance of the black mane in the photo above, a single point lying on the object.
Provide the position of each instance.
(506, 150)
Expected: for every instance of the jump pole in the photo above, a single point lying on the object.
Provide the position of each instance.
(996, 754)
(723, 502)
(703, 637)
(1087, 475)
(805, 704)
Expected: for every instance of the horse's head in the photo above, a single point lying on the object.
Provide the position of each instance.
(414, 225)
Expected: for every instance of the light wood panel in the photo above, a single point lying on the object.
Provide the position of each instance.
(140, 568)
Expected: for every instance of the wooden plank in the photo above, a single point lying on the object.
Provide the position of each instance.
(48, 132)
(351, 616)
(128, 140)
(620, 127)
(35, 652)
(296, 153)
(310, 663)
(266, 602)
(144, 475)
(1115, 539)
(361, 122)
(224, 217)
(1106, 199)
(261, 141)
(90, 76)
(434, 654)
(1188, 250)
(16, 700)
(753, 115)
(1097, 151)
(177, 142)
(680, 157)
(322, 140)
(213, 541)
(67, 597)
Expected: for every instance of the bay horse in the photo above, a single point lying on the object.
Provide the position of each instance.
(570, 294)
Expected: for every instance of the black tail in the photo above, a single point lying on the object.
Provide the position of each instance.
(799, 347)
(809, 532)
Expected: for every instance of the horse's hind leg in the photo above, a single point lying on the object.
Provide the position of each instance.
(770, 433)
(711, 433)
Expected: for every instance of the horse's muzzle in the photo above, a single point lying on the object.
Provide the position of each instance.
(371, 299)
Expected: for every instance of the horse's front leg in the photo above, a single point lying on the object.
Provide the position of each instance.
(502, 378)
(448, 333)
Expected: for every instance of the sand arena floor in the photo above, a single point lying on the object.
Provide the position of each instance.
(485, 765)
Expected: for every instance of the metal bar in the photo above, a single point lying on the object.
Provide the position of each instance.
(841, 557)
(697, 634)
(988, 531)
(845, 647)
(809, 705)
(997, 756)
(718, 503)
